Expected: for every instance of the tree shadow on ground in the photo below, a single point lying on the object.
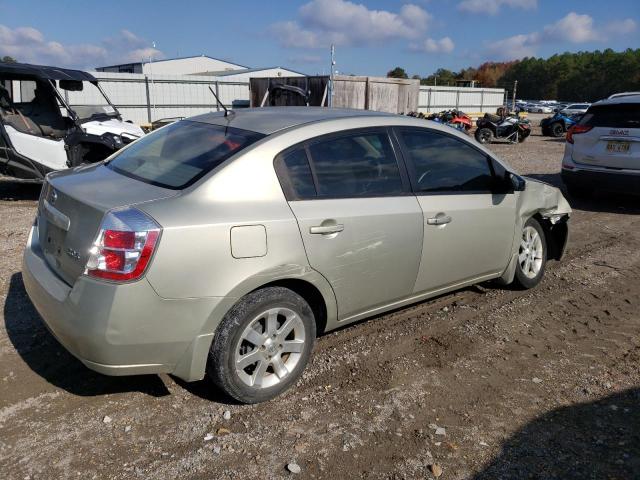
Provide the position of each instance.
(46, 357)
(596, 440)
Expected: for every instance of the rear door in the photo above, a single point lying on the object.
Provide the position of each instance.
(360, 224)
(614, 138)
(468, 225)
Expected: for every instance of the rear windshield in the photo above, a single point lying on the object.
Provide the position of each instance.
(181, 153)
(623, 115)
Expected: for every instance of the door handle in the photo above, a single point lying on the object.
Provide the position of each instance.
(326, 229)
(439, 220)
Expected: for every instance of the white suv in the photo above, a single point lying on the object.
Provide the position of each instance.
(603, 148)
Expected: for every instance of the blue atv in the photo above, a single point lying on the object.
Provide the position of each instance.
(558, 124)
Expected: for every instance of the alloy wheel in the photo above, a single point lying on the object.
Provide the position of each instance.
(530, 254)
(270, 347)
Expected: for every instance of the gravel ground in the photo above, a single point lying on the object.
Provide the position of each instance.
(485, 383)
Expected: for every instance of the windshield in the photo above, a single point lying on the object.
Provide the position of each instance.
(181, 153)
(88, 103)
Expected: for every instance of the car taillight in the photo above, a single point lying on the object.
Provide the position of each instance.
(124, 246)
(576, 129)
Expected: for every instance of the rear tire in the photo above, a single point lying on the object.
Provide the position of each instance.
(484, 135)
(532, 255)
(262, 345)
(557, 130)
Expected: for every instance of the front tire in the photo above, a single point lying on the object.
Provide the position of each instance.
(532, 255)
(484, 135)
(262, 345)
(557, 130)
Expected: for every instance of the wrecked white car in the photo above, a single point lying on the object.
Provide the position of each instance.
(53, 119)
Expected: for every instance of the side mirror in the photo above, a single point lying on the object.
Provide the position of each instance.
(519, 184)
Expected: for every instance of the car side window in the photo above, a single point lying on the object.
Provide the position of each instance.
(441, 163)
(295, 171)
(355, 165)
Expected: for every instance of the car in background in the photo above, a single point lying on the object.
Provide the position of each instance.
(603, 148)
(574, 108)
(221, 244)
(541, 109)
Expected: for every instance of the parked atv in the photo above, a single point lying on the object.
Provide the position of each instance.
(558, 124)
(452, 118)
(47, 124)
(509, 127)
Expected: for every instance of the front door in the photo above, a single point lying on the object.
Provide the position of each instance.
(468, 226)
(361, 227)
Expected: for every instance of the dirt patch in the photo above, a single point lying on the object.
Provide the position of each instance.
(484, 383)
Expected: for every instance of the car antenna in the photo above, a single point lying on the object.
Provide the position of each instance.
(227, 112)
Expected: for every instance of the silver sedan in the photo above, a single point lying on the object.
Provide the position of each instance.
(222, 245)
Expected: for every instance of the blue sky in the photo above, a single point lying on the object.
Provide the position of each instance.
(371, 37)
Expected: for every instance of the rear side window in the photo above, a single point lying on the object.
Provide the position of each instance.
(624, 115)
(298, 174)
(181, 153)
(441, 163)
(355, 165)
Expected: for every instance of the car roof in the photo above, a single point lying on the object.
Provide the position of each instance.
(43, 71)
(619, 100)
(624, 94)
(268, 120)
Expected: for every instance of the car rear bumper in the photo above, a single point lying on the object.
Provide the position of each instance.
(120, 329)
(614, 181)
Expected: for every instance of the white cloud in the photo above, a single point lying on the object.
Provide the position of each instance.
(518, 46)
(572, 28)
(444, 45)
(26, 44)
(492, 7)
(621, 27)
(341, 22)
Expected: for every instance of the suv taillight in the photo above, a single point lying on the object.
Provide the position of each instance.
(576, 129)
(124, 246)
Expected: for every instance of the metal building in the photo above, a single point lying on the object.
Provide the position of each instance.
(246, 74)
(175, 66)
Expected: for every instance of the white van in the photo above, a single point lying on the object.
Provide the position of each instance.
(53, 118)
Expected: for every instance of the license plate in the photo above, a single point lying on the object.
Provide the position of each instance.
(54, 240)
(618, 147)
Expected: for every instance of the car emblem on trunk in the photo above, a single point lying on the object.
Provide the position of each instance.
(53, 197)
(72, 253)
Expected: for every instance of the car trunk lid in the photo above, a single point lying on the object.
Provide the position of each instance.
(72, 207)
(614, 139)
